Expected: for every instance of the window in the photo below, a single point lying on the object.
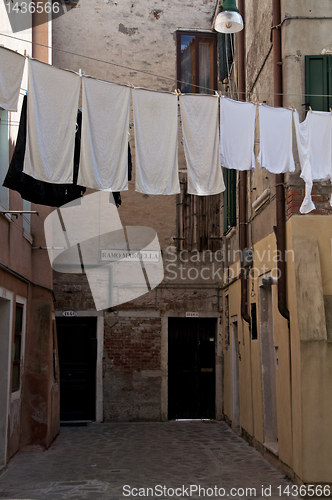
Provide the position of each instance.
(318, 81)
(253, 321)
(196, 62)
(226, 329)
(17, 346)
(4, 157)
(229, 199)
(225, 54)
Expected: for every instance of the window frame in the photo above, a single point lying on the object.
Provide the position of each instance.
(197, 35)
(20, 302)
(318, 103)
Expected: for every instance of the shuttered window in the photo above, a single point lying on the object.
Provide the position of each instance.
(225, 54)
(199, 224)
(318, 82)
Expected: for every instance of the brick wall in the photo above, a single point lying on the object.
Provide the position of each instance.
(132, 379)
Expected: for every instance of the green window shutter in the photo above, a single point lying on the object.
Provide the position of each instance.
(229, 199)
(223, 70)
(225, 193)
(318, 81)
(232, 198)
(225, 55)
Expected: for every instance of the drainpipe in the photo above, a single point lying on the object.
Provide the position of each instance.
(243, 177)
(280, 189)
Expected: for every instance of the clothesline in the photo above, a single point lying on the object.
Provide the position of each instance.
(103, 163)
(161, 76)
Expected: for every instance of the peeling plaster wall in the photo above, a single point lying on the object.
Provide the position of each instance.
(134, 33)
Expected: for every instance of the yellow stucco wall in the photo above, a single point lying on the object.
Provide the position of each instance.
(311, 238)
(303, 383)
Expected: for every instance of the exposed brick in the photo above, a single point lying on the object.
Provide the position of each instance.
(294, 204)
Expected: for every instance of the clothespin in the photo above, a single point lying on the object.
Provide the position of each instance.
(176, 92)
(131, 85)
(310, 109)
(180, 93)
(80, 72)
(217, 93)
(292, 107)
(330, 110)
(25, 53)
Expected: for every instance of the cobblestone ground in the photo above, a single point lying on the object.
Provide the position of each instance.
(96, 463)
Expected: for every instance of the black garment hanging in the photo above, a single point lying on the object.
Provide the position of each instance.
(39, 192)
(117, 195)
(45, 193)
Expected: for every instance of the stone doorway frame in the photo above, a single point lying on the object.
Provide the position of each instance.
(164, 359)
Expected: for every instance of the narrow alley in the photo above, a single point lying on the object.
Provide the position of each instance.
(157, 460)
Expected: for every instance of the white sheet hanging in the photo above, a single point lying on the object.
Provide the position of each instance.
(276, 141)
(104, 142)
(237, 134)
(11, 73)
(199, 114)
(314, 144)
(52, 108)
(156, 131)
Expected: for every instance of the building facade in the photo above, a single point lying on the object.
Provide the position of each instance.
(29, 393)
(143, 43)
(277, 333)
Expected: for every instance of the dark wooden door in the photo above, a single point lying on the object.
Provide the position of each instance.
(77, 344)
(191, 368)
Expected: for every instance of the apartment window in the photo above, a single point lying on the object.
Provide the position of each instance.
(318, 81)
(196, 62)
(225, 54)
(4, 156)
(229, 199)
(17, 346)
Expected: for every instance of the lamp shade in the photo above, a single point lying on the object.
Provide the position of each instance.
(229, 20)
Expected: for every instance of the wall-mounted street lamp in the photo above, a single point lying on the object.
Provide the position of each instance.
(229, 19)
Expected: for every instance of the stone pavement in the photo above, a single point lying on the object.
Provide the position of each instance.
(96, 463)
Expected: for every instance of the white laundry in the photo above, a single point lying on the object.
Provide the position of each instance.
(52, 109)
(104, 142)
(11, 74)
(276, 141)
(156, 135)
(237, 134)
(199, 114)
(314, 144)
